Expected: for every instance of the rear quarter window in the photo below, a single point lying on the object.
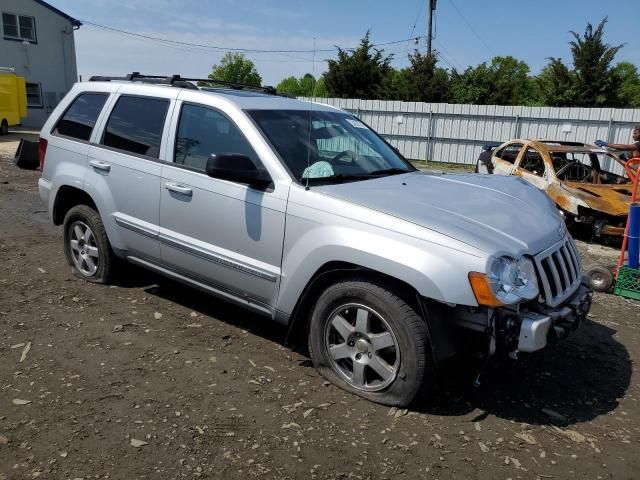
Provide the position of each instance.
(136, 124)
(509, 153)
(81, 116)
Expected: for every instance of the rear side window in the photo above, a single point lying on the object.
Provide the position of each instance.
(203, 131)
(80, 118)
(510, 152)
(135, 125)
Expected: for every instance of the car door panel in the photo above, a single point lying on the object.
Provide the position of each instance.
(227, 234)
(126, 177)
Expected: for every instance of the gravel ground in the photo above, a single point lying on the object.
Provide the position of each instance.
(149, 379)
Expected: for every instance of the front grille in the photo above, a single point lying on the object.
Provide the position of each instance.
(559, 271)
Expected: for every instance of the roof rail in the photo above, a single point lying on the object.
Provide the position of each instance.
(178, 81)
(8, 69)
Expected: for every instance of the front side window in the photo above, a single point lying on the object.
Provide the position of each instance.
(203, 131)
(80, 118)
(20, 27)
(327, 146)
(34, 95)
(532, 162)
(136, 125)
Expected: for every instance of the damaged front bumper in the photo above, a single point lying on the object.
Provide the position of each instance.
(541, 325)
(528, 327)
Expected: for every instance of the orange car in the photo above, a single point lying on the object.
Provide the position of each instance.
(581, 179)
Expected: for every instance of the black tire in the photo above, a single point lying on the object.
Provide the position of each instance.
(600, 278)
(413, 366)
(105, 260)
(4, 127)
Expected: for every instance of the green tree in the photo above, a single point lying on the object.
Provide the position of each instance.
(627, 76)
(234, 67)
(358, 74)
(423, 81)
(290, 86)
(596, 84)
(593, 82)
(504, 81)
(557, 85)
(471, 86)
(305, 86)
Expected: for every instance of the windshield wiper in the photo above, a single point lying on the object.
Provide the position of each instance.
(389, 171)
(338, 178)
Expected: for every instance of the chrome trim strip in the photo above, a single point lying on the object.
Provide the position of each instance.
(136, 228)
(254, 306)
(212, 257)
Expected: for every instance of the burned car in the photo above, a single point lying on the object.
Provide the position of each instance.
(581, 179)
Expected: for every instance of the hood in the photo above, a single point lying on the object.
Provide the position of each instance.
(609, 199)
(493, 213)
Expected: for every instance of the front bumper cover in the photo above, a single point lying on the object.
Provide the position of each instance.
(540, 325)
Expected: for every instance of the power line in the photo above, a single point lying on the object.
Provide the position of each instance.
(442, 47)
(471, 28)
(236, 49)
(415, 22)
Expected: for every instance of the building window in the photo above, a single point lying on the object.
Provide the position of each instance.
(19, 27)
(34, 95)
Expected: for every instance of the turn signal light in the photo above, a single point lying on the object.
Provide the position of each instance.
(483, 291)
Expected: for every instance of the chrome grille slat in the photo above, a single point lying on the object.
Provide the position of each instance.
(563, 267)
(559, 271)
(569, 261)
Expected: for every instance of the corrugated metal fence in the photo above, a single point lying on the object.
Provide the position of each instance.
(455, 133)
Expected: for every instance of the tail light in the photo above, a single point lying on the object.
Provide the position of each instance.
(42, 151)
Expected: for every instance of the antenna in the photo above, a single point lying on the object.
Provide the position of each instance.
(313, 91)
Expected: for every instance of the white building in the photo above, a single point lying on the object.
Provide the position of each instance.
(37, 40)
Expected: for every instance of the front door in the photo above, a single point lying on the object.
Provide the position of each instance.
(531, 167)
(221, 233)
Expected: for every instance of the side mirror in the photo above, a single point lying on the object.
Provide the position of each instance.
(235, 167)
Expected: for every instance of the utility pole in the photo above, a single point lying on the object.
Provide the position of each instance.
(432, 8)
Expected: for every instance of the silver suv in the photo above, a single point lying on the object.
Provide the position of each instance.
(303, 214)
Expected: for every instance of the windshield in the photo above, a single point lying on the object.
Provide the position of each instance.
(338, 148)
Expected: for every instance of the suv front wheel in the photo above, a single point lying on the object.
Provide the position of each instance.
(86, 245)
(368, 341)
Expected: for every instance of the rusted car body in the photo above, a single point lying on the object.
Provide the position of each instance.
(579, 178)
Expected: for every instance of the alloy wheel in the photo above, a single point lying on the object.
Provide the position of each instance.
(361, 347)
(83, 247)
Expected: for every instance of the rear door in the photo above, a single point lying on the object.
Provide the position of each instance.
(504, 158)
(225, 234)
(125, 166)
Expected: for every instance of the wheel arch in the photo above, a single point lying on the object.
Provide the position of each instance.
(68, 197)
(441, 332)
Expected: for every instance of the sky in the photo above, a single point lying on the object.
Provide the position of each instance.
(467, 32)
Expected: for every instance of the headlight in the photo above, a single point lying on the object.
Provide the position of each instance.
(513, 280)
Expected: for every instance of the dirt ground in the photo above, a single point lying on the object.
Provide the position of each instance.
(147, 379)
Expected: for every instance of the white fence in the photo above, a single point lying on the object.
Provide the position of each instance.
(455, 133)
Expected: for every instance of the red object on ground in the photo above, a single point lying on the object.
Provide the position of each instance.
(42, 151)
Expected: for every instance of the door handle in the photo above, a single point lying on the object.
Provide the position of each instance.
(174, 187)
(100, 165)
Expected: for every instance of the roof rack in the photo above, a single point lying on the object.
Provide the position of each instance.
(178, 81)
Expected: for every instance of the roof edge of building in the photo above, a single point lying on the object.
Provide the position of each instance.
(74, 22)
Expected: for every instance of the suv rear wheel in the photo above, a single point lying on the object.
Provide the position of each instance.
(86, 245)
(368, 341)
(4, 127)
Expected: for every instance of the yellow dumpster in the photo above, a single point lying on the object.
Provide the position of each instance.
(13, 99)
